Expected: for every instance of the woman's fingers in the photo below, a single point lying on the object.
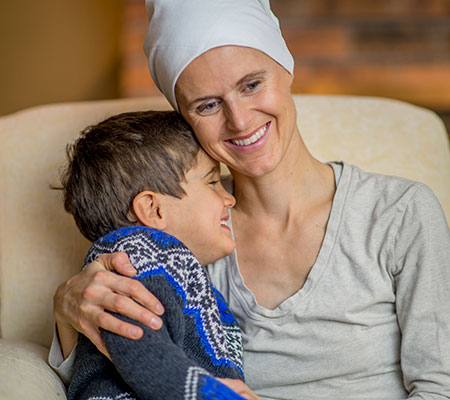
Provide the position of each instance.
(124, 296)
(95, 337)
(239, 387)
(118, 262)
(126, 306)
(131, 288)
(110, 323)
(81, 302)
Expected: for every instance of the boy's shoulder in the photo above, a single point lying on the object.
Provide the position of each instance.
(138, 233)
(147, 248)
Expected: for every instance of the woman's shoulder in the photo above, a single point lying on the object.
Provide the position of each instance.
(379, 185)
(379, 196)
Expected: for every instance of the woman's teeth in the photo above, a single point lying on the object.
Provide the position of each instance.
(252, 139)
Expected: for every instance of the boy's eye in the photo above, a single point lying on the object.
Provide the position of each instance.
(214, 182)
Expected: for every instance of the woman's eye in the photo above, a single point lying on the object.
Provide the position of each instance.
(208, 107)
(252, 85)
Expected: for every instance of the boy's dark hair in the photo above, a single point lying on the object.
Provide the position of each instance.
(113, 161)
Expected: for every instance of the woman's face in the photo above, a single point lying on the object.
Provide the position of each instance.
(238, 102)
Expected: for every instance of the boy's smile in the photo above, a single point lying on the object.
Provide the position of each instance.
(199, 218)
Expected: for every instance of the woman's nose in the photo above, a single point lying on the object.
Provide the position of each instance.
(237, 116)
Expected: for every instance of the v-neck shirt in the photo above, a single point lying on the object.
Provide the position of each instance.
(340, 335)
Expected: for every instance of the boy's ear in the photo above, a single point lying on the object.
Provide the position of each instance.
(147, 208)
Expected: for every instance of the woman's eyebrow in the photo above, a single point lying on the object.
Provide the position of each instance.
(257, 74)
(199, 99)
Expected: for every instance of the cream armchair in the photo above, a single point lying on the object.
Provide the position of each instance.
(40, 246)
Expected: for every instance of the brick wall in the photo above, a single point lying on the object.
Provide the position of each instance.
(390, 48)
(134, 78)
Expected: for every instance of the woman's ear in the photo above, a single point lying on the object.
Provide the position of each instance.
(147, 206)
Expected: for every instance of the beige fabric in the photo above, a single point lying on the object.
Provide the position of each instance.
(41, 247)
(24, 373)
(379, 135)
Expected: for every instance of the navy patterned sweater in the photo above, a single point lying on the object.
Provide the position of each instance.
(200, 338)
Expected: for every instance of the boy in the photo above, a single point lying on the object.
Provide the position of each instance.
(142, 180)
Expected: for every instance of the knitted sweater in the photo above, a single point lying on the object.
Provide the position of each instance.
(200, 338)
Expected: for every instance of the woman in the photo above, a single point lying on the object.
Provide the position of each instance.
(340, 279)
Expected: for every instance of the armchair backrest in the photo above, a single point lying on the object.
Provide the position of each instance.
(40, 245)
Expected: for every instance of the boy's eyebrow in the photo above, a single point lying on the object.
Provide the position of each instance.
(212, 171)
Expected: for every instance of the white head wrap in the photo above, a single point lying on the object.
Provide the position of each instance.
(181, 30)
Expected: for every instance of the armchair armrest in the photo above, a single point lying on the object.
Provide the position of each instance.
(25, 374)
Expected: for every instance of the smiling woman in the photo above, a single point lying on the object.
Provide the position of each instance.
(338, 274)
(247, 98)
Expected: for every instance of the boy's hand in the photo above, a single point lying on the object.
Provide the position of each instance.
(240, 388)
(81, 302)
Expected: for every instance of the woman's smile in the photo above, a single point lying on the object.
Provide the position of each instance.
(253, 140)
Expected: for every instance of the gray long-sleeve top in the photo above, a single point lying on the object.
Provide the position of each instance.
(372, 320)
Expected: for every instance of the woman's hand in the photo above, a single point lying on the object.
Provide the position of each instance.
(80, 303)
(240, 388)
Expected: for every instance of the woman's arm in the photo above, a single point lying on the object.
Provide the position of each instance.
(67, 337)
(80, 303)
(422, 279)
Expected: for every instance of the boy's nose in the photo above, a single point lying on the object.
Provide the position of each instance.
(228, 199)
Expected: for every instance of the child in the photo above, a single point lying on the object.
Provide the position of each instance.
(140, 183)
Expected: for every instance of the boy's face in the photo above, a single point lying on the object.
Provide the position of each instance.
(198, 218)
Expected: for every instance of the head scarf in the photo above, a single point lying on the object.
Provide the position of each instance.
(181, 30)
